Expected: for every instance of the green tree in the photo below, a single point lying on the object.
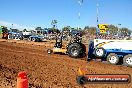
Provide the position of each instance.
(14, 30)
(25, 30)
(54, 26)
(79, 29)
(67, 28)
(4, 29)
(86, 28)
(125, 31)
(54, 23)
(38, 28)
(54, 30)
(112, 29)
(90, 30)
(73, 28)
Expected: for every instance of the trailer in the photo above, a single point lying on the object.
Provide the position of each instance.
(113, 51)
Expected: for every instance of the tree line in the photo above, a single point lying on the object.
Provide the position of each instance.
(112, 29)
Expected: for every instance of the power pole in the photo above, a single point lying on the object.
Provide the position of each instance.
(80, 2)
(97, 6)
(12, 26)
(97, 13)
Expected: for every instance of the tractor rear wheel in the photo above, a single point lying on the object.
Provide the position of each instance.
(74, 50)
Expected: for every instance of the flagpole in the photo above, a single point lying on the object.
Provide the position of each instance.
(79, 14)
(97, 6)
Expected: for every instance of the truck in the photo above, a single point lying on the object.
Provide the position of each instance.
(15, 35)
(37, 38)
(113, 51)
(38, 35)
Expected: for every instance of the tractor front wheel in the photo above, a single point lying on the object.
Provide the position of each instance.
(49, 51)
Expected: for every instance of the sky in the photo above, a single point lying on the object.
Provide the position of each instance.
(30, 14)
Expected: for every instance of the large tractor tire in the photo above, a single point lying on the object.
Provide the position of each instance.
(74, 50)
(127, 60)
(113, 58)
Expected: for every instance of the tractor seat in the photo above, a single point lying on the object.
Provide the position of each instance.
(58, 45)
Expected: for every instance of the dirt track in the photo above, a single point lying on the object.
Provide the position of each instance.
(54, 71)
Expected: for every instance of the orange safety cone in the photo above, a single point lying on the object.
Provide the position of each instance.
(22, 81)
